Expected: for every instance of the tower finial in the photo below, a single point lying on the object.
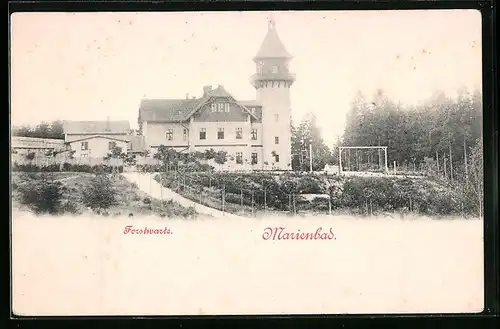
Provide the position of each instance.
(272, 23)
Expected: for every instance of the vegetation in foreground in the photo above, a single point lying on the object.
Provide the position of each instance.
(315, 193)
(103, 194)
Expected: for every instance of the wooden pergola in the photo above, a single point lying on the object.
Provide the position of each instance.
(384, 148)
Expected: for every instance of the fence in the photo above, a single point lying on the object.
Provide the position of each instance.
(237, 200)
(59, 159)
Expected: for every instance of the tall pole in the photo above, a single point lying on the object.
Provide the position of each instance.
(265, 199)
(465, 161)
(223, 194)
(253, 203)
(310, 157)
(340, 160)
(386, 166)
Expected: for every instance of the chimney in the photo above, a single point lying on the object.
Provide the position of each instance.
(206, 90)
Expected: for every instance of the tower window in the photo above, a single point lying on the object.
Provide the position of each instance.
(239, 157)
(260, 65)
(254, 134)
(254, 158)
(276, 140)
(203, 133)
(239, 133)
(169, 134)
(220, 133)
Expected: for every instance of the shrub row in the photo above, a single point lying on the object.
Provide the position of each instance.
(66, 167)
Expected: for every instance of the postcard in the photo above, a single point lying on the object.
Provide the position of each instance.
(246, 163)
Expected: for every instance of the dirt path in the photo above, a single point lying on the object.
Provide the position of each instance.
(148, 185)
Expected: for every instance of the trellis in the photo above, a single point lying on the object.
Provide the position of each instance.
(358, 159)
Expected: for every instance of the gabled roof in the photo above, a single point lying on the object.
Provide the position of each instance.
(32, 142)
(96, 127)
(179, 110)
(115, 138)
(250, 103)
(272, 47)
(172, 110)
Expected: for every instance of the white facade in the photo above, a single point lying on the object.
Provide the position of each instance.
(188, 138)
(96, 146)
(276, 123)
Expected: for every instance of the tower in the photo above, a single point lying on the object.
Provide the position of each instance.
(272, 82)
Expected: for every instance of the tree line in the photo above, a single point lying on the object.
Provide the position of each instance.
(439, 133)
(52, 130)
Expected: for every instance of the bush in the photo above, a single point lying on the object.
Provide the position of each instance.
(42, 195)
(50, 168)
(26, 167)
(100, 194)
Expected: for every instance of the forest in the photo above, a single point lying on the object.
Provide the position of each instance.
(42, 130)
(436, 135)
(440, 138)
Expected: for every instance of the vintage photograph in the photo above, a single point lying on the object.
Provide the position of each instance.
(241, 163)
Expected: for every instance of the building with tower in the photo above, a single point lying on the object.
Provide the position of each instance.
(256, 134)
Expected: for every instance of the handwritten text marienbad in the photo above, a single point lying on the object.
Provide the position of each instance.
(280, 233)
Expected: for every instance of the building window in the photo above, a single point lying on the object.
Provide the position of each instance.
(275, 69)
(239, 157)
(203, 133)
(277, 117)
(260, 65)
(239, 133)
(227, 107)
(169, 134)
(220, 133)
(254, 134)
(185, 134)
(85, 146)
(85, 155)
(254, 158)
(276, 140)
(214, 107)
(276, 157)
(111, 145)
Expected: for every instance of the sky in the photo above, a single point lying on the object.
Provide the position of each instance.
(91, 66)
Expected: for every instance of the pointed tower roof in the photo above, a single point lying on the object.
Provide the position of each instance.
(272, 47)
